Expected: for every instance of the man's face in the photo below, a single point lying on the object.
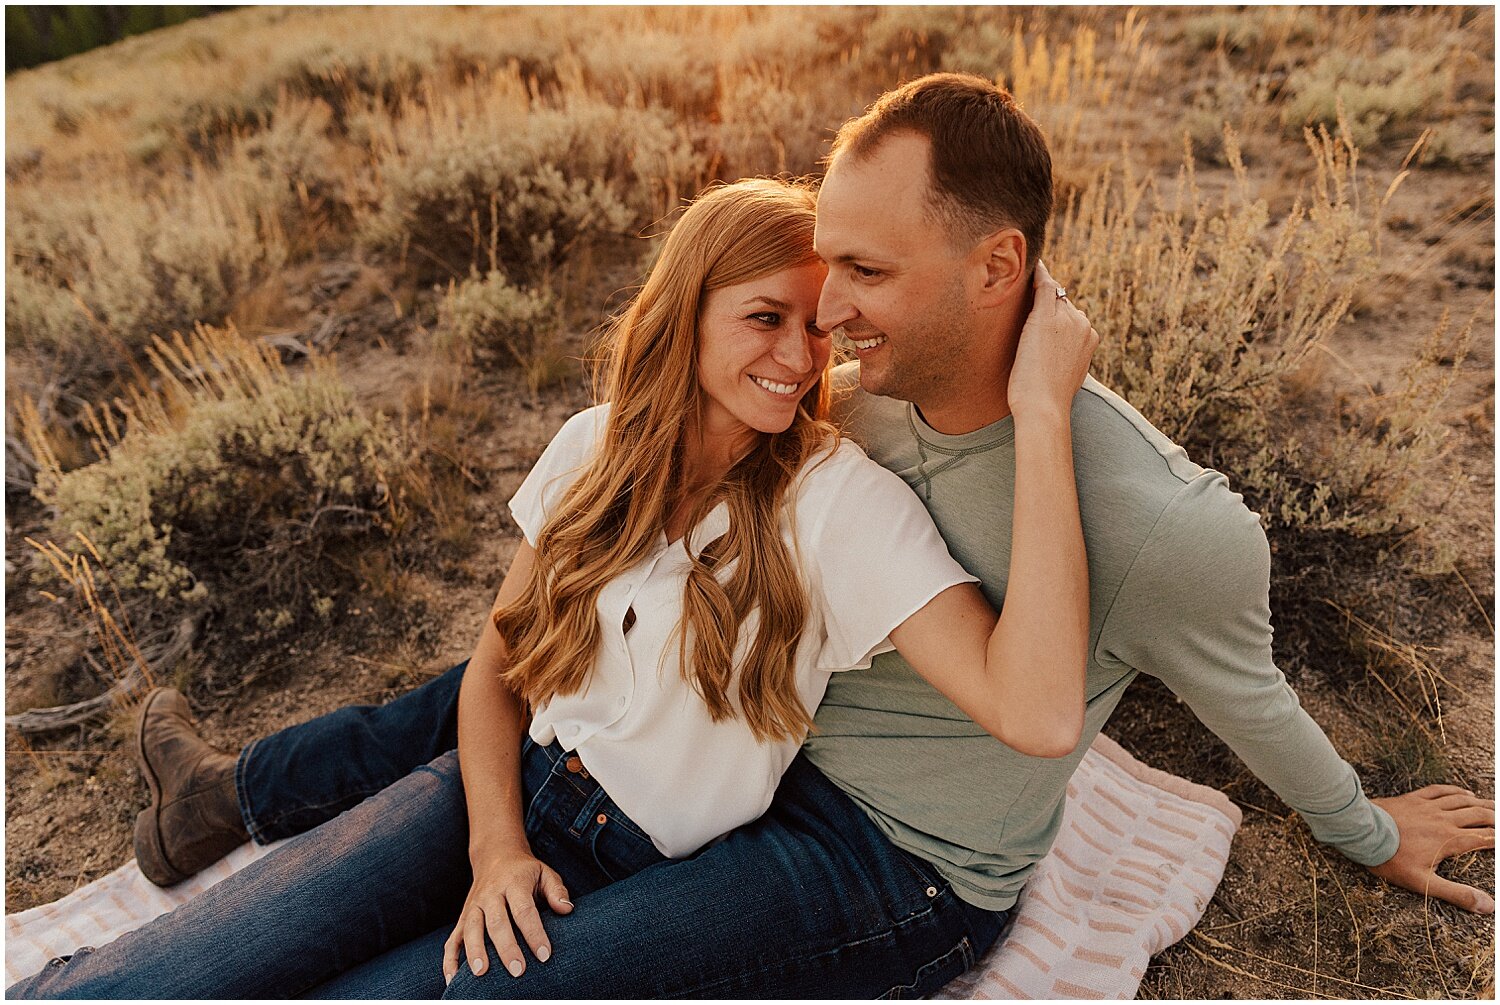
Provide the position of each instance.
(895, 282)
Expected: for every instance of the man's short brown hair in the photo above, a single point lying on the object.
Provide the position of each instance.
(990, 166)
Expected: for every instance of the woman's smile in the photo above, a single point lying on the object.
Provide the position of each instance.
(760, 350)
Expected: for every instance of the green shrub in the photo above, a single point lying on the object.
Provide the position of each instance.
(487, 177)
(486, 315)
(1374, 94)
(123, 262)
(229, 479)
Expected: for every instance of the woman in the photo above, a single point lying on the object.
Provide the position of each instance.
(701, 553)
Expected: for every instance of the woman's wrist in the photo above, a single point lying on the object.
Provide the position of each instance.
(1043, 420)
(1047, 414)
(497, 844)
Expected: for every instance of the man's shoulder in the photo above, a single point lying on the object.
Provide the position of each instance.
(879, 424)
(1131, 474)
(1109, 432)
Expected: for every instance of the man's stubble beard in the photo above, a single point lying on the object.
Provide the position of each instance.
(927, 362)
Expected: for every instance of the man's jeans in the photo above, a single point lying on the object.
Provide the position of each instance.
(811, 900)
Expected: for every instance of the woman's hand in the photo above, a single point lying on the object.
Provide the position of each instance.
(504, 892)
(1053, 354)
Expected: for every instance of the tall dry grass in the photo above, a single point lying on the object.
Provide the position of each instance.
(222, 473)
(1207, 309)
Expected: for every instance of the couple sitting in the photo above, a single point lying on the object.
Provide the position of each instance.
(737, 697)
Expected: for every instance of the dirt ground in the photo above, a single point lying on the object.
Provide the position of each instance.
(1290, 919)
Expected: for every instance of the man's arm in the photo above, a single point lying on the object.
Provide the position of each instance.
(1195, 612)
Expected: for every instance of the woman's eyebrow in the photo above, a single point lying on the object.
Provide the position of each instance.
(769, 302)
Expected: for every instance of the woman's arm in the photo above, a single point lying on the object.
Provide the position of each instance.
(507, 876)
(1021, 676)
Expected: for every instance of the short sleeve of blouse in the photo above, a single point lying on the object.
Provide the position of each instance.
(556, 470)
(877, 556)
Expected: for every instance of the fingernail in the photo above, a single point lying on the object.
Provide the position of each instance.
(447, 979)
(568, 904)
(1486, 904)
(544, 953)
(477, 964)
(515, 967)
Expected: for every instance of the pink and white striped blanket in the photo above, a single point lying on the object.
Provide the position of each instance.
(1132, 871)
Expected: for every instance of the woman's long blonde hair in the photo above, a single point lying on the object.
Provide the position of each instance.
(609, 519)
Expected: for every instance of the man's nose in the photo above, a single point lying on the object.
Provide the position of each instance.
(834, 306)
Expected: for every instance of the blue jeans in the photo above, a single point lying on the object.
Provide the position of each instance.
(811, 900)
(294, 780)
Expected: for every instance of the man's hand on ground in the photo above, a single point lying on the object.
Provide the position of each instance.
(1437, 823)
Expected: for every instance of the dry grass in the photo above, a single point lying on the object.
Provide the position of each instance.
(1280, 219)
(221, 453)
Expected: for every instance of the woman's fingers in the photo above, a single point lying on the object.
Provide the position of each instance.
(474, 923)
(555, 890)
(1041, 279)
(497, 909)
(504, 939)
(1046, 287)
(452, 953)
(523, 911)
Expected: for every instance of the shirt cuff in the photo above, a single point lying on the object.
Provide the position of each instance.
(1362, 831)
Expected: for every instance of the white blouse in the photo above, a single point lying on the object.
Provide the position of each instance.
(870, 558)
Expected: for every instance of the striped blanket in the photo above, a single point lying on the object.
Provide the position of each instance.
(1132, 871)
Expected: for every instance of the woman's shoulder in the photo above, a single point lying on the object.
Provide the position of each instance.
(581, 431)
(590, 421)
(839, 472)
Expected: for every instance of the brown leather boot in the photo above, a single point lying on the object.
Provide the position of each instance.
(194, 817)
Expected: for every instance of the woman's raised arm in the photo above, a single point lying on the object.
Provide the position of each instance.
(1021, 675)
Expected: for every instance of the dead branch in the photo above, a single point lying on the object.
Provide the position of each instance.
(124, 691)
(287, 343)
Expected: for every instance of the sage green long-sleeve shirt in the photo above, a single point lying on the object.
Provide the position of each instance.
(1179, 579)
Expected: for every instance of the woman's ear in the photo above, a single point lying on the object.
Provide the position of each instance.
(1003, 257)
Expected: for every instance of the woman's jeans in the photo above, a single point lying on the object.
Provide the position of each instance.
(811, 900)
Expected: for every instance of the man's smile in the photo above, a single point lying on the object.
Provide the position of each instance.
(861, 344)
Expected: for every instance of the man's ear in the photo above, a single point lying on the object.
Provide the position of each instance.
(1003, 257)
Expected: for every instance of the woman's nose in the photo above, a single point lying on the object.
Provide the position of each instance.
(794, 351)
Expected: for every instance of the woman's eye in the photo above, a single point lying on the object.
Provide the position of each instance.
(768, 317)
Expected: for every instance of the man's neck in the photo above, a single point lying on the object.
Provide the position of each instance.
(977, 396)
(964, 413)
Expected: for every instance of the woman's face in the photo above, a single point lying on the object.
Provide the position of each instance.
(760, 350)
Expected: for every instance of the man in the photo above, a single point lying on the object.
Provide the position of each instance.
(931, 219)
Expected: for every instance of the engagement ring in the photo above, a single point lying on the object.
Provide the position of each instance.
(1062, 293)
